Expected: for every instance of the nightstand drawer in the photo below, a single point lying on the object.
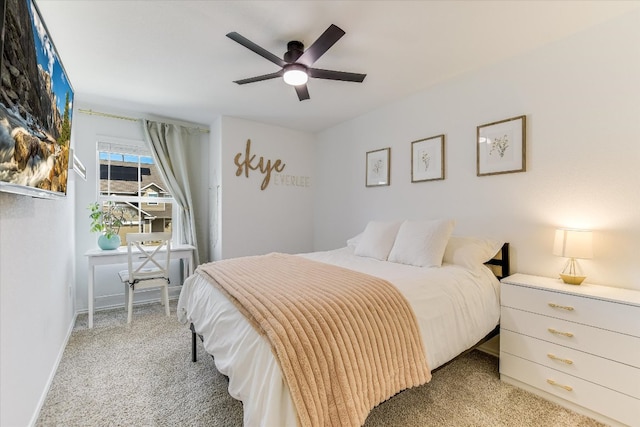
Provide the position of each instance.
(600, 342)
(610, 403)
(589, 311)
(605, 372)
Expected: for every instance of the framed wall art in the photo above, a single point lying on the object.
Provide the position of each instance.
(501, 147)
(378, 170)
(427, 159)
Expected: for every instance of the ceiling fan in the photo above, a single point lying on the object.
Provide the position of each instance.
(297, 62)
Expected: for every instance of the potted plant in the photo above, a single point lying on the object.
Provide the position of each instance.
(106, 219)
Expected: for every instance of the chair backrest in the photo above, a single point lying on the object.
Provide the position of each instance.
(148, 261)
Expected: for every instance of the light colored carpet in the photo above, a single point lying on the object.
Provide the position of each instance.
(142, 375)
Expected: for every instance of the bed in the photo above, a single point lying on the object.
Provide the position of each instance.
(455, 302)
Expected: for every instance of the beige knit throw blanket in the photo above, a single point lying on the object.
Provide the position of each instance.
(345, 341)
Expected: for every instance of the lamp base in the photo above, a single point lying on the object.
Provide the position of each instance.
(571, 279)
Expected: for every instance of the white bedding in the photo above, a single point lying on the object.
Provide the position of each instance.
(455, 308)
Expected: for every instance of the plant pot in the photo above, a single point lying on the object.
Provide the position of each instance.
(109, 243)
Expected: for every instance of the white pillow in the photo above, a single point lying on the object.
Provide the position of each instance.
(377, 239)
(421, 243)
(471, 252)
(353, 242)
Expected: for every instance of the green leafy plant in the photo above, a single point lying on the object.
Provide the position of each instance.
(106, 219)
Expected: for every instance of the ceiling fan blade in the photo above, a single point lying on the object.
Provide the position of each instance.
(336, 75)
(321, 45)
(303, 92)
(255, 48)
(260, 78)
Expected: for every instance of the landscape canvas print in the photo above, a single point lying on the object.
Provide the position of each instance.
(36, 100)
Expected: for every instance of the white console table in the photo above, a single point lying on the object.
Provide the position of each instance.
(119, 256)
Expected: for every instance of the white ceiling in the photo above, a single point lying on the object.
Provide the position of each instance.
(172, 59)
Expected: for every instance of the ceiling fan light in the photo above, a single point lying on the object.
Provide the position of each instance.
(295, 75)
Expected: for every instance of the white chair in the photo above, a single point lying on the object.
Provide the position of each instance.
(148, 266)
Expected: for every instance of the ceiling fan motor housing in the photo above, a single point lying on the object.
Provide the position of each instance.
(294, 50)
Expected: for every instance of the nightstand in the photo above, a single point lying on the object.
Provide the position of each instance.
(578, 346)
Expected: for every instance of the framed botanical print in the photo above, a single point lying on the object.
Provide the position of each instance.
(501, 147)
(378, 170)
(427, 159)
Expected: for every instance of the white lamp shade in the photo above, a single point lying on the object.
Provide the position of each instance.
(295, 75)
(573, 243)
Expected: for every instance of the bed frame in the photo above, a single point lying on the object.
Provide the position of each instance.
(499, 264)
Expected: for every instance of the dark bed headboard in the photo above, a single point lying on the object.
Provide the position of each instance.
(499, 264)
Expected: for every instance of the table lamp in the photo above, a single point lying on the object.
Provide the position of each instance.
(573, 244)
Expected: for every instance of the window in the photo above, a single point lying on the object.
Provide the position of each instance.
(152, 194)
(129, 177)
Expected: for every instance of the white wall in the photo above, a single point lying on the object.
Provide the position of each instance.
(581, 97)
(36, 298)
(279, 218)
(89, 129)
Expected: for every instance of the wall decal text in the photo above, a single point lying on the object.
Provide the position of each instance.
(291, 180)
(246, 164)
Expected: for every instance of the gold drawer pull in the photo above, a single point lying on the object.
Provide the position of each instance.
(566, 334)
(563, 307)
(566, 387)
(559, 359)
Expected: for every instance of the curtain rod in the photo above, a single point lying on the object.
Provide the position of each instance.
(131, 119)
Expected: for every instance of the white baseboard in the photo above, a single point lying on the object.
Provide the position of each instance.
(109, 302)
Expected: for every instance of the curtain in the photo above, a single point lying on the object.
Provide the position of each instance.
(168, 146)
